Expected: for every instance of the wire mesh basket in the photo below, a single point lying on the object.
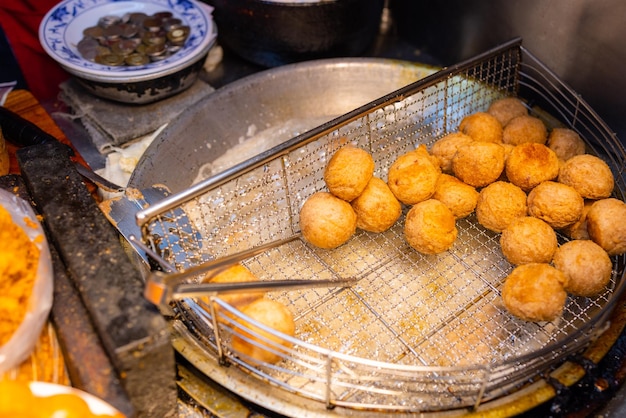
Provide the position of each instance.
(416, 332)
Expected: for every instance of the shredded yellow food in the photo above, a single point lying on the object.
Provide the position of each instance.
(19, 258)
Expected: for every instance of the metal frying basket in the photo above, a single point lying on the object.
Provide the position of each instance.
(417, 332)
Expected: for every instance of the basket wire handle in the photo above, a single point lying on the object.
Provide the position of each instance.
(161, 287)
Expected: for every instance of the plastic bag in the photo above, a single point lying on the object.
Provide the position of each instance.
(21, 344)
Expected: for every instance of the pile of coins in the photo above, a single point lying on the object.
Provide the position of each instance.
(133, 39)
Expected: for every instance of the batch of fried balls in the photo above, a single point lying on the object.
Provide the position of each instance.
(521, 180)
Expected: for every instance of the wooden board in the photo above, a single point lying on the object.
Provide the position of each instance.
(27, 106)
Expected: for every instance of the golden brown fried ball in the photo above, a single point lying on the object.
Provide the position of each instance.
(528, 240)
(459, 197)
(526, 128)
(566, 143)
(558, 204)
(377, 209)
(578, 230)
(272, 314)
(586, 265)
(530, 164)
(506, 109)
(348, 172)
(482, 126)
(535, 292)
(478, 163)
(445, 148)
(412, 176)
(327, 221)
(589, 175)
(235, 274)
(606, 224)
(430, 227)
(499, 204)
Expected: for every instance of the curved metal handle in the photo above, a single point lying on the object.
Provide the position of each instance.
(163, 287)
(160, 290)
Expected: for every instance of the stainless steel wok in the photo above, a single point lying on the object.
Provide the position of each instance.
(231, 379)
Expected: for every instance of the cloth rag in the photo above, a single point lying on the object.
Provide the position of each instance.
(112, 125)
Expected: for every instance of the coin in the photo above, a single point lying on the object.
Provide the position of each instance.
(152, 24)
(178, 35)
(128, 30)
(141, 48)
(106, 21)
(94, 32)
(155, 50)
(111, 59)
(124, 47)
(137, 59)
(171, 23)
(112, 32)
(137, 18)
(155, 58)
(88, 48)
(152, 38)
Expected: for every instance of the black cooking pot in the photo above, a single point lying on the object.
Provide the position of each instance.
(277, 32)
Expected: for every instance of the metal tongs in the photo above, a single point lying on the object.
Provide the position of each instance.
(163, 287)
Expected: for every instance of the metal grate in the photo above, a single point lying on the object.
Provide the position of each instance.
(417, 332)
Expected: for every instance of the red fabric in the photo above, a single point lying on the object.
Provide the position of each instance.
(20, 20)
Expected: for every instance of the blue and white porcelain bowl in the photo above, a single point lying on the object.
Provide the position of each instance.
(62, 28)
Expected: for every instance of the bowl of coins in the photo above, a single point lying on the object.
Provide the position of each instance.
(133, 51)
